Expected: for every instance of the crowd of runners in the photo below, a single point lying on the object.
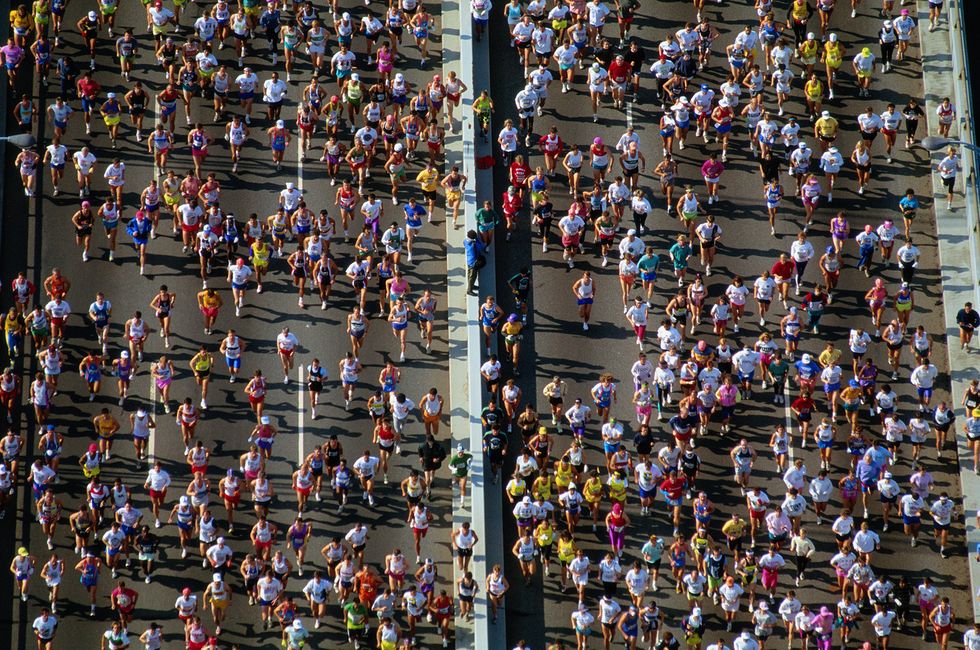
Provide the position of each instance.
(612, 460)
(283, 81)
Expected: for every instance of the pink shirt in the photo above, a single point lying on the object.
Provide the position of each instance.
(712, 168)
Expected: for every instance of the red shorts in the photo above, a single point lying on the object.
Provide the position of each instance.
(306, 127)
(57, 321)
(419, 532)
(199, 468)
(210, 312)
(453, 97)
(286, 353)
(890, 132)
(261, 546)
(255, 401)
(232, 500)
(761, 515)
(158, 494)
(7, 395)
(434, 146)
(304, 491)
(199, 153)
(945, 629)
(195, 645)
(191, 229)
(137, 339)
(570, 241)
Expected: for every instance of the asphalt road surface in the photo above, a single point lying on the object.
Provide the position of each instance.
(540, 613)
(41, 237)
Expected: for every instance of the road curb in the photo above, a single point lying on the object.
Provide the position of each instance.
(958, 237)
(483, 509)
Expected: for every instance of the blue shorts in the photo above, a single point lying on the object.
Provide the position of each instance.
(166, 111)
(128, 530)
(723, 128)
(911, 521)
(746, 376)
(60, 125)
(666, 133)
(825, 444)
(480, 21)
(264, 443)
(673, 503)
(237, 286)
(243, 95)
(235, 363)
(924, 393)
(867, 487)
(610, 447)
(112, 552)
(831, 388)
(649, 276)
(58, 166)
(585, 301)
(182, 526)
(792, 337)
(89, 582)
(648, 494)
(88, 105)
(398, 327)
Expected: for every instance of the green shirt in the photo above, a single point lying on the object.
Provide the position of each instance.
(485, 217)
(481, 105)
(778, 369)
(648, 262)
(679, 255)
(356, 616)
(460, 464)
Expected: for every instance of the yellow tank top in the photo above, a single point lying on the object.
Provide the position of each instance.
(808, 49)
(566, 550)
(10, 324)
(799, 11)
(202, 362)
(814, 89)
(544, 535)
(542, 488)
(103, 425)
(260, 253)
(209, 300)
(617, 489)
(563, 476)
(832, 52)
(517, 488)
(592, 490)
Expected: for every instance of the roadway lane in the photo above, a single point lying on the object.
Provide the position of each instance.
(49, 242)
(608, 347)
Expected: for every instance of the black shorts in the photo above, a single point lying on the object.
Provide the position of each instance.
(202, 374)
(429, 195)
(315, 386)
(556, 401)
(949, 183)
(464, 552)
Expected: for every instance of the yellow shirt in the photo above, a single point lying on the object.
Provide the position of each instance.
(733, 528)
(592, 490)
(260, 253)
(208, 300)
(563, 476)
(617, 489)
(22, 22)
(544, 534)
(799, 11)
(201, 362)
(428, 179)
(516, 488)
(829, 357)
(541, 489)
(833, 53)
(566, 550)
(808, 49)
(826, 126)
(814, 89)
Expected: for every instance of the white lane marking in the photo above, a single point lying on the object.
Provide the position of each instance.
(300, 442)
(156, 169)
(789, 425)
(629, 114)
(299, 162)
(151, 444)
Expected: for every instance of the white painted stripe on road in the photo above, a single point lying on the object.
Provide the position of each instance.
(629, 115)
(156, 169)
(300, 393)
(152, 443)
(789, 424)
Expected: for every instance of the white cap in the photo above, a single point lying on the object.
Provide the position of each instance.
(572, 486)
(833, 37)
(289, 186)
(207, 228)
(811, 36)
(221, 540)
(631, 232)
(355, 77)
(125, 354)
(92, 15)
(184, 500)
(297, 624)
(399, 77)
(806, 358)
(265, 419)
(833, 150)
(345, 15)
(280, 124)
(111, 95)
(399, 147)
(216, 577)
(723, 102)
(824, 113)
